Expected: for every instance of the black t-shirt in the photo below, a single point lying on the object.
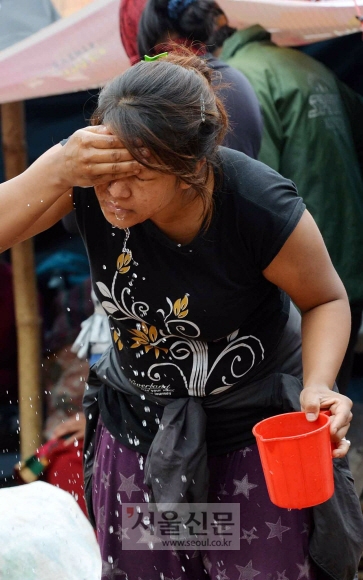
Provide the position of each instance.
(196, 319)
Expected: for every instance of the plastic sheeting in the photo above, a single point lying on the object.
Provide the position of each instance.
(297, 22)
(84, 50)
(76, 53)
(44, 534)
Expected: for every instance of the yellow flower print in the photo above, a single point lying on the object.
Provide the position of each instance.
(122, 262)
(147, 338)
(180, 307)
(117, 339)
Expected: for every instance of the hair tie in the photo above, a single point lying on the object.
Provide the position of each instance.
(156, 57)
(177, 7)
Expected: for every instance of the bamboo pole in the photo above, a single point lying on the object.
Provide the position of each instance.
(28, 321)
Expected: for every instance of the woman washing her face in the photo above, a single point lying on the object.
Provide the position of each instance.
(196, 253)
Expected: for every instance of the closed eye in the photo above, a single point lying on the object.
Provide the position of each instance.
(140, 179)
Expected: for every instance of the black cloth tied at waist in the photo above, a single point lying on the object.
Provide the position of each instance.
(176, 463)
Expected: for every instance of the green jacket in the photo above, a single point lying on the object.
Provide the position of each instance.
(313, 135)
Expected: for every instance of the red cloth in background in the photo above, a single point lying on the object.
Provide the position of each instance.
(130, 13)
(65, 471)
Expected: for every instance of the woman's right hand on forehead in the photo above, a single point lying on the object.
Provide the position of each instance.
(93, 155)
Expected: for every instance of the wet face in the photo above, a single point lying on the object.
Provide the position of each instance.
(148, 195)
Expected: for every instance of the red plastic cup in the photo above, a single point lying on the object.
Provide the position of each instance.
(296, 458)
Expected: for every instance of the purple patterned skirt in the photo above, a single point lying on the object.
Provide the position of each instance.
(273, 541)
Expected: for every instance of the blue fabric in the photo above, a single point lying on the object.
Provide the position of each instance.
(176, 7)
(73, 266)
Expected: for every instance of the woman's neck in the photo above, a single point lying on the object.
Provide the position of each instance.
(184, 226)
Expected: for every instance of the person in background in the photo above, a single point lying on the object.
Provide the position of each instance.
(159, 23)
(197, 253)
(313, 135)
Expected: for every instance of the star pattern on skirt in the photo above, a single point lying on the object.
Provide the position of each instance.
(106, 479)
(245, 450)
(101, 520)
(247, 572)
(242, 486)
(207, 564)
(147, 538)
(249, 536)
(128, 485)
(281, 576)
(122, 533)
(110, 570)
(222, 574)
(222, 490)
(304, 569)
(306, 528)
(276, 530)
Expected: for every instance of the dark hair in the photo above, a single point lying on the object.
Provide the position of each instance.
(169, 106)
(196, 22)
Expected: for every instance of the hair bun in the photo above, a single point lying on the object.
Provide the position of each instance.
(161, 5)
(184, 56)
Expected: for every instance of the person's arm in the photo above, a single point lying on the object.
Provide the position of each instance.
(303, 269)
(40, 196)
